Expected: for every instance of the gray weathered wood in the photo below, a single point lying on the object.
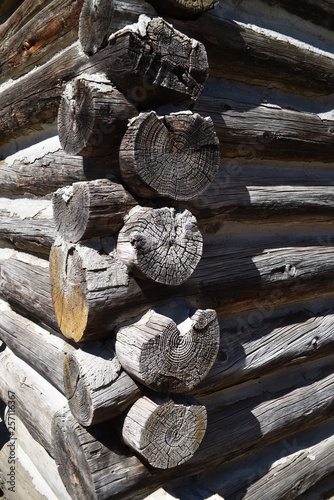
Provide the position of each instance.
(163, 244)
(320, 12)
(183, 8)
(117, 472)
(174, 156)
(88, 209)
(169, 350)
(41, 349)
(96, 387)
(92, 116)
(165, 432)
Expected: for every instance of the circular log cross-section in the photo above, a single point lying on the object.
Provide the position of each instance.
(92, 116)
(183, 8)
(169, 357)
(88, 209)
(164, 244)
(164, 432)
(96, 387)
(176, 156)
(95, 24)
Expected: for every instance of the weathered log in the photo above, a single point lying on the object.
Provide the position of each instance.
(169, 350)
(88, 209)
(34, 43)
(17, 13)
(92, 116)
(165, 432)
(183, 8)
(320, 12)
(96, 387)
(25, 284)
(175, 156)
(27, 224)
(49, 169)
(74, 446)
(41, 349)
(163, 245)
(29, 396)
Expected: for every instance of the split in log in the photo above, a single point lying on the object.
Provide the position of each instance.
(92, 116)
(175, 156)
(163, 245)
(96, 387)
(51, 29)
(44, 351)
(183, 8)
(27, 224)
(165, 432)
(88, 209)
(153, 63)
(27, 393)
(75, 447)
(171, 350)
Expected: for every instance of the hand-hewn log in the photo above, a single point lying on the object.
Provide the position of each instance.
(183, 8)
(30, 396)
(27, 224)
(175, 156)
(153, 71)
(54, 27)
(88, 209)
(25, 284)
(43, 351)
(50, 169)
(165, 432)
(117, 472)
(170, 350)
(92, 116)
(96, 387)
(162, 244)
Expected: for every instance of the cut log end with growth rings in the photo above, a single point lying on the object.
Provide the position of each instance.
(175, 156)
(165, 432)
(95, 24)
(92, 116)
(170, 350)
(163, 245)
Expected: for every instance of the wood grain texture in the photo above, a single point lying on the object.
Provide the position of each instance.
(320, 12)
(169, 350)
(96, 387)
(92, 116)
(175, 156)
(183, 8)
(165, 432)
(89, 209)
(163, 244)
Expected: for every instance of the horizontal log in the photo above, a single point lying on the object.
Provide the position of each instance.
(96, 387)
(92, 116)
(165, 432)
(49, 169)
(39, 348)
(88, 209)
(118, 471)
(169, 350)
(183, 8)
(163, 244)
(51, 29)
(320, 12)
(29, 396)
(183, 161)
(27, 224)
(17, 13)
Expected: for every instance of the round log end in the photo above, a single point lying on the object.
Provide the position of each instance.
(163, 245)
(71, 211)
(95, 24)
(166, 356)
(166, 433)
(174, 157)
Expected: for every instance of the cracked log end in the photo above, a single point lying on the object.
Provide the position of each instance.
(95, 24)
(165, 432)
(168, 352)
(88, 209)
(92, 116)
(176, 156)
(163, 245)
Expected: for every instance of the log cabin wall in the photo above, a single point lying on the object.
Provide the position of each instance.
(166, 249)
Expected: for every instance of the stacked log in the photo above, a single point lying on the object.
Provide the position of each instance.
(176, 310)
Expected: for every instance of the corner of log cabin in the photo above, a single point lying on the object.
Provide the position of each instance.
(166, 249)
